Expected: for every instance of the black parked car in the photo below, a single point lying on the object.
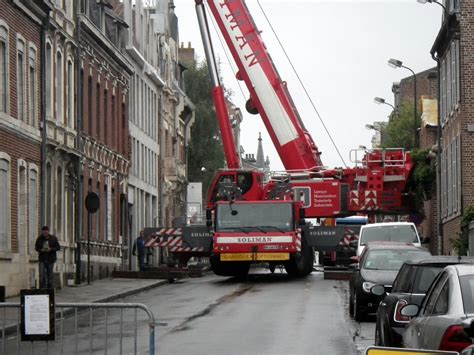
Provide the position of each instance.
(378, 265)
(409, 287)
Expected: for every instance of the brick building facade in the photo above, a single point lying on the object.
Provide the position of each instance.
(21, 24)
(104, 135)
(453, 48)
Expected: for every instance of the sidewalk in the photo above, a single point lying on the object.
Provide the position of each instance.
(106, 290)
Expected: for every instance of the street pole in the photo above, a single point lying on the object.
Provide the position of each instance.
(416, 113)
(89, 232)
(415, 109)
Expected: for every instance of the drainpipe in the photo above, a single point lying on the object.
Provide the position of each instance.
(79, 169)
(44, 136)
(439, 132)
(160, 162)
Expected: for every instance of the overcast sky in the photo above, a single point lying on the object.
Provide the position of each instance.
(340, 50)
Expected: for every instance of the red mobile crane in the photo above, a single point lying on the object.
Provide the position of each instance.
(250, 220)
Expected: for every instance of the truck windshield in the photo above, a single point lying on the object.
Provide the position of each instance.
(255, 217)
(404, 234)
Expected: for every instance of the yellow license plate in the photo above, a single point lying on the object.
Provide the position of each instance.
(254, 257)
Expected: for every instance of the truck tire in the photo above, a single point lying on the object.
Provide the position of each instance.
(228, 268)
(301, 264)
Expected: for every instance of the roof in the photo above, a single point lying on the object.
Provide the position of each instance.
(385, 224)
(437, 259)
(463, 269)
(394, 245)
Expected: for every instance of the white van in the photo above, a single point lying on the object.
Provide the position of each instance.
(404, 232)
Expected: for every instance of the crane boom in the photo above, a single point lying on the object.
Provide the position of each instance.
(228, 141)
(268, 93)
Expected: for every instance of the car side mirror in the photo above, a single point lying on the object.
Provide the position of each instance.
(378, 290)
(410, 310)
(468, 325)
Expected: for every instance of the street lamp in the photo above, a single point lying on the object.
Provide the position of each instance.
(380, 101)
(395, 63)
(435, 2)
(377, 137)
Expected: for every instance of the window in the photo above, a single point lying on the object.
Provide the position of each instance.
(59, 88)
(70, 95)
(89, 104)
(97, 113)
(106, 212)
(59, 201)
(113, 215)
(3, 69)
(451, 178)
(114, 122)
(4, 202)
(441, 305)
(404, 280)
(49, 81)
(450, 81)
(32, 85)
(33, 209)
(22, 207)
(425, 276)
(98, 213)
(20, 79)
(49, 191)
(106, 113)
(430, 302)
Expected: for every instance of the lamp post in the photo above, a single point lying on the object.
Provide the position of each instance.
(395, 63)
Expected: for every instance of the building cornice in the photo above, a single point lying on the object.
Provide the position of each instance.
(104, 43)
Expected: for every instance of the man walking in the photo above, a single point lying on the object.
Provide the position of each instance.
(139, 251)
(46, 245)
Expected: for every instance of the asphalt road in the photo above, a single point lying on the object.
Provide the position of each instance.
(266, 314)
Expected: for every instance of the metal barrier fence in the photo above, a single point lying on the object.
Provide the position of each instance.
(84, 328)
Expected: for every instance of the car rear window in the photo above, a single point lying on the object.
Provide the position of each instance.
(391, 259)
(467, 289)
(405, 233)
(425, 276)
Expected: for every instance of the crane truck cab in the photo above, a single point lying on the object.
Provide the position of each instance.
(405, 232)
(259, 231)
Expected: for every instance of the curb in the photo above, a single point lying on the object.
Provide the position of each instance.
(12, 328)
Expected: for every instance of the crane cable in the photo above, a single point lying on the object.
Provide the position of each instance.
(225, 52)
(301, 83)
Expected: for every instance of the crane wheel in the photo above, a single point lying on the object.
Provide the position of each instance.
(301, 264)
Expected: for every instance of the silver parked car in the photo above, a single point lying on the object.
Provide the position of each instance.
(438, 322)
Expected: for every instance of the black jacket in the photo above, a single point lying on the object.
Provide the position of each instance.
(47, 256)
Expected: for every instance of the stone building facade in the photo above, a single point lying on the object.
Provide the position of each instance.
(146, 90)
(177, 117)
(104, 81)
(59, 183)
(21, 26)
